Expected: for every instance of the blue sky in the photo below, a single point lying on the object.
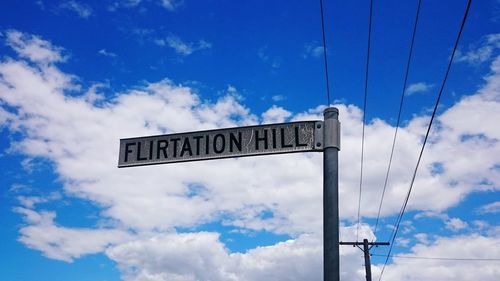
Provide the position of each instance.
(77, 76)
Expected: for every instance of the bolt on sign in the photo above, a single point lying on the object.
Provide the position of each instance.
(223, 143)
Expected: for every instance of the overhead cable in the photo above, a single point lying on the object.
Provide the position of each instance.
(438, 258)
(364, 116)
(405, 82)
(426, 135)
(324, 53)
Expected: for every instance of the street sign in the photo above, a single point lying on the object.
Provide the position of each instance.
(323, 136)
(223, 143)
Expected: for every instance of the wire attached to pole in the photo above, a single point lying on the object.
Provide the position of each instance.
(440, 258)
(324, 53)
(364, 116)
(405, 204)
(405, 82)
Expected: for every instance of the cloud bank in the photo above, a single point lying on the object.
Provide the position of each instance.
(148, 205)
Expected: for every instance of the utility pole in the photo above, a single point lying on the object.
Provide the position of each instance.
(366, 250)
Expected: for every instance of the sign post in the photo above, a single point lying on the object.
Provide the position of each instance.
(293, 137)
(331, 256)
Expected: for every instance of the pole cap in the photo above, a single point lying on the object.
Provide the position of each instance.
(331, 133)
(331, 109)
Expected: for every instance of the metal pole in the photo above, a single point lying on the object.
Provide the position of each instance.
(331, 257)
(368, 267)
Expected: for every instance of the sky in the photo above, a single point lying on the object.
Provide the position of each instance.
(77, 76)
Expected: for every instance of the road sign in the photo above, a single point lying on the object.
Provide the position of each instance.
(291, 137)
(223, 143)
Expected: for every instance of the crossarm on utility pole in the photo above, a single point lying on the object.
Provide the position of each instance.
(366, 251)
(361, 243)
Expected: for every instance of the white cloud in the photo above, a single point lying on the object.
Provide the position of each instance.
(264, 56)
(277, 98)
(181, 47)
(491, 208)
(456, 224)
(40, 4)
(170, 5)
(403, 242)
(480, 224)
(453, 224)
(419, 87)
(201, 256)
(202, 44)
(407, 227)
(312, 50)
(105, 53)
(92, 96)
(81, 9)
(33, 47)
(422, 238)
(30, 201)
(431, 214)
(482, 53)
(17, 188)
(275, 114)
(80, 139)
(472, 246)
(131, 3)
(63, 243)
(112, 7)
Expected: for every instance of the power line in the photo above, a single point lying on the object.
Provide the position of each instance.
(399, 113)
(427, 134)
(439, 258)
(364, 115)
(324, 53)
